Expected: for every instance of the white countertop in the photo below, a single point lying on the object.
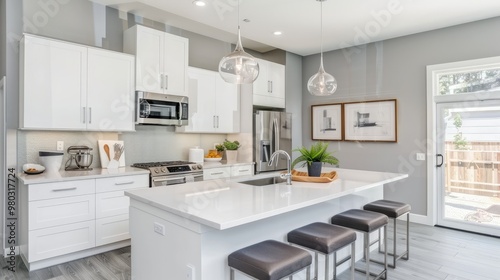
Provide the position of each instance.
(62, 175)
(226, 203)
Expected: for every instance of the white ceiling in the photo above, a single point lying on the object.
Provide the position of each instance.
(345, 23)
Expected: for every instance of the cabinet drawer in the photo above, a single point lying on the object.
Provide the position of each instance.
(61, 189)
(112, 229)
(56, 241)
(111, 204)
(217, 173)
(241, 170)
(122, 183)
(60, 211)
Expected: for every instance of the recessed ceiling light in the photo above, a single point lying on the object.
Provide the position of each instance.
(199, 3)
(277, 33)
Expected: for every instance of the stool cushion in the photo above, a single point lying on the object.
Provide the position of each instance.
(322, 237)
(361, 220)
(392, 209)
(269, 260)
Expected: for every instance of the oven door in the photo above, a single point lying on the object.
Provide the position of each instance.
(161, 181)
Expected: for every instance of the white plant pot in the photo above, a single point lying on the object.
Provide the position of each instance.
(231, 155)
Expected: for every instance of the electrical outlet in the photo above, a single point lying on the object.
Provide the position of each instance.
(420, 156)
(60, 145)
(189, 272)
(159, 228)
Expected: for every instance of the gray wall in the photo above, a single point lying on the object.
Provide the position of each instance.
(396, 68)
(293, 89)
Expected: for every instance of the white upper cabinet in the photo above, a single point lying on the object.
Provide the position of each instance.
(269, 88)
(111, 91)
(52, 84)
(161, 60)
(65, 86)
(214, 105)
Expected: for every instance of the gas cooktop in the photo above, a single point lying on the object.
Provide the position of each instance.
(163, 168)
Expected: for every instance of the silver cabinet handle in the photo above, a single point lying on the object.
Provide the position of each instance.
(161, 80)
(243, 170)
(166, 81)
(217, 121)
(213, 122)
(90, 115)
(217, 173)
(124, 183)
(65, 189)
(84, 110)
(271, 86)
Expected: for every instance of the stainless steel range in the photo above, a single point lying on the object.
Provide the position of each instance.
(171, 172)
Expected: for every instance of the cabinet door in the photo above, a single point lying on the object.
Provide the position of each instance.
(61, 211)
(261, 84)
(217, 173)
(110, 99)
(202, 96)
(149, 59)
(175, 64)
(56, 241)
(111, 229)
(53, 84)
(241, 170)
(227, 106)
(277, 78)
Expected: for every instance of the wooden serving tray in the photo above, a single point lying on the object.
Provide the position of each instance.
(301, 176)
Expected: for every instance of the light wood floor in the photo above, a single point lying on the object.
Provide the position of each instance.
(435, 253)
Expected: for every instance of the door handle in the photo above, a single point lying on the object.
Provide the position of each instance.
(437, 159)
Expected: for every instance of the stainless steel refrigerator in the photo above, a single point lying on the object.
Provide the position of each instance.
(272, 132)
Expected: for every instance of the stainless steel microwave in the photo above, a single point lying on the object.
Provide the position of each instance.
(161, 109)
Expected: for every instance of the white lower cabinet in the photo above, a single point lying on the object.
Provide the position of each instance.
(66, 217)
(111, 229)
(55, 241)
(217, 173)
(241, 170)
(112, 207)
(228, 171)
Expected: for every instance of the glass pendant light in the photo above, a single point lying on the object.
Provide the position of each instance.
(322, 83)
(239, 67)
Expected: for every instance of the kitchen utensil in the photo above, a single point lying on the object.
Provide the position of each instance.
(82, 156)
(106, 150)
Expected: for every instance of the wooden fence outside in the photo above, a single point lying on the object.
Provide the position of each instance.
(473, 171)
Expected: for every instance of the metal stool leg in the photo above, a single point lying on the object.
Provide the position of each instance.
(231, 274)
(367, 254)
(315, 265)
(407, 236)
(327, 272)
(353, 259)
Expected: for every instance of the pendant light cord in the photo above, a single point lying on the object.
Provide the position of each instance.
(321, 28)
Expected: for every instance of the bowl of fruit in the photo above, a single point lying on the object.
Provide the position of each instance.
(213, 155)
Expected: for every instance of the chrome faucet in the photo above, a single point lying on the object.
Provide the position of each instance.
(288, 174)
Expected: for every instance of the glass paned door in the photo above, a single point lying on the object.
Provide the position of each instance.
(468, 164)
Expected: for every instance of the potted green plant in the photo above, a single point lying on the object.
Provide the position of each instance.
(231, 148)
(314, 157)
(220, 149)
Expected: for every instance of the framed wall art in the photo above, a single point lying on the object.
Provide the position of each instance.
(371, 121)
(326, 122)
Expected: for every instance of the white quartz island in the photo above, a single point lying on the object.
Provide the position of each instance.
(187, 231)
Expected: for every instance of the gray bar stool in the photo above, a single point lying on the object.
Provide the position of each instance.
(393, 210)
(269, 260)
(365, 222)
(325, 239)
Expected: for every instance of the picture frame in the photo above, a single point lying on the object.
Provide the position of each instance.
(374, 121)
(111, 153)
(326, 122)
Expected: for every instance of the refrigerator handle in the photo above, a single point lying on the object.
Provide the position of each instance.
(276, 141)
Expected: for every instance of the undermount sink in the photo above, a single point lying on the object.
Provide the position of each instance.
(264, 181)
